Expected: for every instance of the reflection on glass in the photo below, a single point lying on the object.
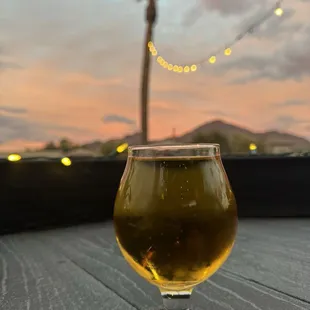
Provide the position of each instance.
(175, 217)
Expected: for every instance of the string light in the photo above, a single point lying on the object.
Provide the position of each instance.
(122, 148)
(193, 68)
(227, 51)
(169, 66)
(278, 11)
(252, 147)
(14, 157)
(212, 60)
(66, 161)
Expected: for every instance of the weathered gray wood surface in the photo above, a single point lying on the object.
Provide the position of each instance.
(82, 268)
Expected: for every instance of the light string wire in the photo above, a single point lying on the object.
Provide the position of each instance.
(227, 50)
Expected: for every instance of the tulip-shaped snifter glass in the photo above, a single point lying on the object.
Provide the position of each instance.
(175, 217)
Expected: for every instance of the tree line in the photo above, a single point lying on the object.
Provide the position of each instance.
(65, 145)
(232, 145)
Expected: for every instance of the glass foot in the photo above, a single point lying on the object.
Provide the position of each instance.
(176, 300)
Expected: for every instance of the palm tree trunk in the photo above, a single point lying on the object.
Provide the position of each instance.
(146, 68)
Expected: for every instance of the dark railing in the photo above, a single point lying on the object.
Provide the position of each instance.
(37, 194)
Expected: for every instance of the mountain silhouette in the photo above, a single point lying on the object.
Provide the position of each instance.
(269, 138)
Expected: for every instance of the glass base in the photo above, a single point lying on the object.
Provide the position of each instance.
(176, 300)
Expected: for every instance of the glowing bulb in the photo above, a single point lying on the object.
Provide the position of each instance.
(252, 147)
(14, 157)
(152, 49)
(154, 53)
(186, 69)
(159, 59)
(278, 11)
(227, 51)
(66, 161)
(150, 44)
(121, 148)
(212, 60)
(180, 69)
(175, 68)
(165, 65)
(193, 68)
(170, 67)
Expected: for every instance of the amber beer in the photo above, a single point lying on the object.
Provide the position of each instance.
(175, 219)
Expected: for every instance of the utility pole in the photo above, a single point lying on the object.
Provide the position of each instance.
(150, 17)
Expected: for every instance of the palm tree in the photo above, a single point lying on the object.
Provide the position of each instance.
(150, 16)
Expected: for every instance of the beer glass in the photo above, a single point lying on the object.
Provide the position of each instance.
(175, 217)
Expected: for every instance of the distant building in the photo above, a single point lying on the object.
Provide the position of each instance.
(280, 147)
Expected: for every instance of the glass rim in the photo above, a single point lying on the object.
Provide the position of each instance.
(182, 146)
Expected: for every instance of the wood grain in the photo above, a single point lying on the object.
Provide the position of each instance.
(82, 268)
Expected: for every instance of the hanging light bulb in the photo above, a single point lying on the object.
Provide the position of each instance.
(175, 68)
(278, 11)
(212, 59)
(227, 51)
(193, 68)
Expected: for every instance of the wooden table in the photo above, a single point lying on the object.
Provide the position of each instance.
(82, 268)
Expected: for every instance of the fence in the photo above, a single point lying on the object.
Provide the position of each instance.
(37, 194)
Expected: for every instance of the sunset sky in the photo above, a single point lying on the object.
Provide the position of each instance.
(71, 68)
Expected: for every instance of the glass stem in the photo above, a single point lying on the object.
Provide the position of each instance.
(176, 300)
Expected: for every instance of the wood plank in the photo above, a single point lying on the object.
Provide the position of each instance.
(82, 268)
(36, 276)
(275, 253)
